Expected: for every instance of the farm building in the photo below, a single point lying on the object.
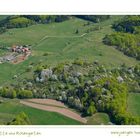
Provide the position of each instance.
(20, 49)
(16, 54)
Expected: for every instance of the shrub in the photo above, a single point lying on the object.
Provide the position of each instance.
(20, 119)
(8, 92)
(25, 94)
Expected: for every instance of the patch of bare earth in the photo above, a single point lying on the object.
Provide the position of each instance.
(64, 111)
(47, 102)
(20, 58)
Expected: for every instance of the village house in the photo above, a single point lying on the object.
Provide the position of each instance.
(20, 49)
(18, 53)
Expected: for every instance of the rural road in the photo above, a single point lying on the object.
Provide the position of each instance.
(64, 111)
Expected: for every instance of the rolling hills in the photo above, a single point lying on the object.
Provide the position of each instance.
(59, 41)
(75, 44)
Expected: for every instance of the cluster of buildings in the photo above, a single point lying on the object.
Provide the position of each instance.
(21, 49)
(16, 51)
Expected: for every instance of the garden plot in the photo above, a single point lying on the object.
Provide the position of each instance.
(50, 102)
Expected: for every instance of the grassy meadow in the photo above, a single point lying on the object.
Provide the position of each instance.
(99, 119)
(134, 103)
(61, 44)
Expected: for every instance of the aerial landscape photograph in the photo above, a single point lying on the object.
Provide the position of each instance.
(69, 69)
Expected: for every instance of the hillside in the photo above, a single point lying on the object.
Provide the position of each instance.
(61, 43)
(90, 63)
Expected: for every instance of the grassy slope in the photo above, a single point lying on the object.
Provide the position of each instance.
(61, 49)
(68, 48)
(10, 108)
(99, 118)
(134, 103)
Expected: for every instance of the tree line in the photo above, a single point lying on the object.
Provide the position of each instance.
(94, 18)
(20, 21)
(10, 92)
(125, 42)
(126, 36)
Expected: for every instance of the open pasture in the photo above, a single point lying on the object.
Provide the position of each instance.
(60, 42)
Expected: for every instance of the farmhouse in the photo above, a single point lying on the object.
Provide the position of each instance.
(20, 49)
(17, 54)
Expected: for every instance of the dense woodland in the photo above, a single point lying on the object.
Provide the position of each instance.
(126, 37)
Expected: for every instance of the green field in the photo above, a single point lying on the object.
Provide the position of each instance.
(10, 108)
(134, 103)
(62, 44)
(54, 43)
(98, 119)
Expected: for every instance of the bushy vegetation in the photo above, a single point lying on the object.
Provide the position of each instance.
(9, 92)
(127, 24)
(47, 18)
(126, 40)
(20, 119)
(100, 90)
(19, 22)
(27, 20)
(94, 18)
(96, 89)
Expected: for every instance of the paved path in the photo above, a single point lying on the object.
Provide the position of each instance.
(64, 111)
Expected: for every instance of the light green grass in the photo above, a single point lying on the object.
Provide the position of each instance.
(64, 46)
(134, 104)
(98, 119)
(10, 108)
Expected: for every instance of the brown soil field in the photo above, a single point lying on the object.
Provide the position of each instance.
(64, 111)
(47, 102)
(20, 58)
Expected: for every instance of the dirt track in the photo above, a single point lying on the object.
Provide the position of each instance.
(47, 102)
(64, 111)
